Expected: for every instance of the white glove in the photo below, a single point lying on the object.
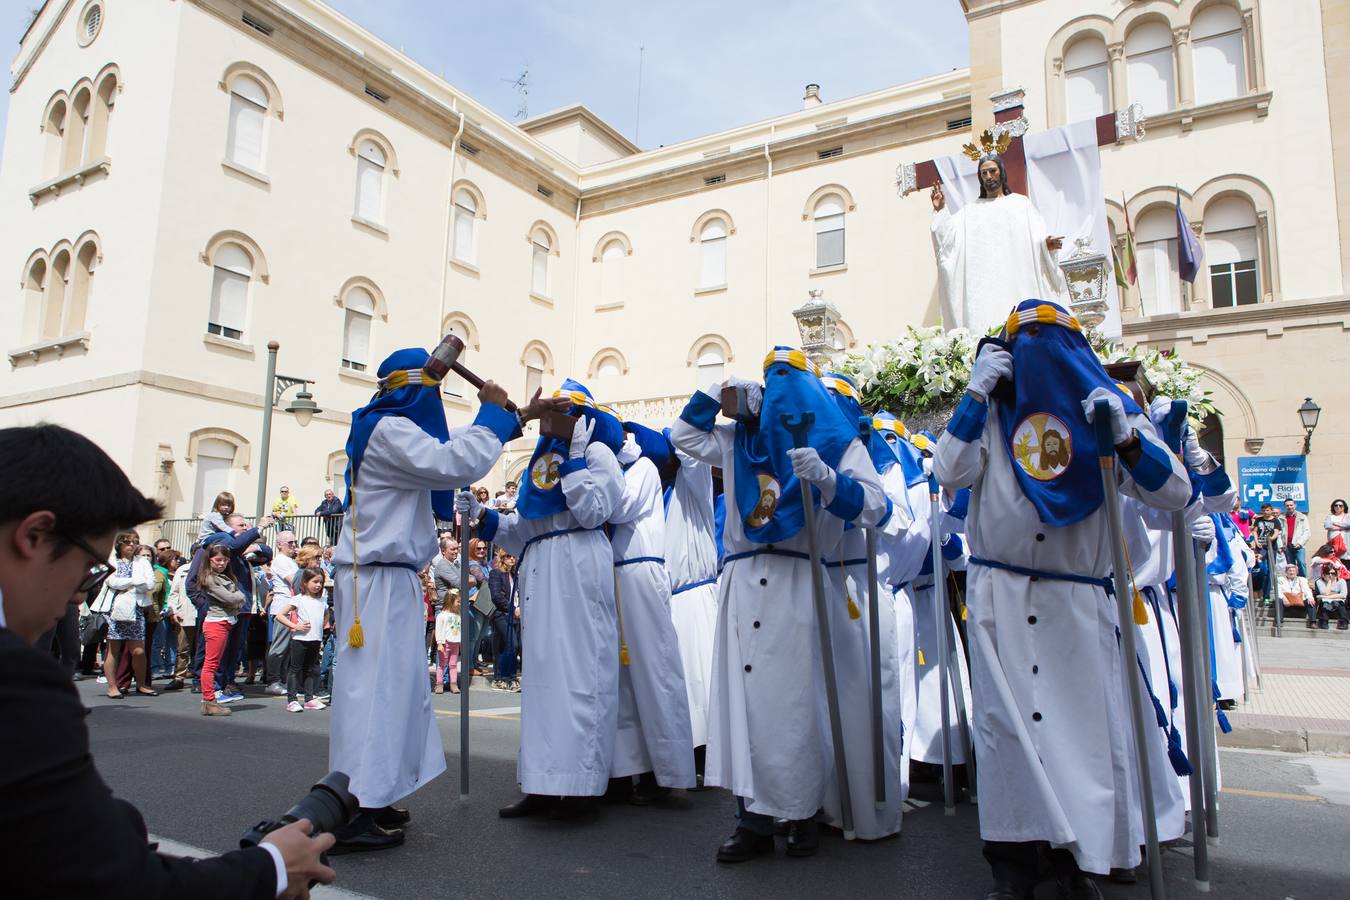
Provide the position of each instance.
(754, 392)
(464, 501)
(1197, 457)
(630, 451)
(809, 467)
(992, 364)
(1158, 409)
(1120, 426)
(1202, 529)
(581, 438)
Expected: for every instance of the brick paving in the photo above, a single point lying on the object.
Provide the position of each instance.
(1303, 702)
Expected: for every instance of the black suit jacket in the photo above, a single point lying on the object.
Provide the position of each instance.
(62, 832)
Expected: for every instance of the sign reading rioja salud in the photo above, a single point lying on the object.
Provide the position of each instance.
(1273, 479)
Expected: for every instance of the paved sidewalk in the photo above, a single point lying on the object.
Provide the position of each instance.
(1303, 702)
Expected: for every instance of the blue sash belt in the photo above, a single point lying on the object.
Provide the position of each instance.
(550, 534)
(1034, 574)
(392, 565)
(845, 563)
(638, 559)
(767, 551)
(696, 584)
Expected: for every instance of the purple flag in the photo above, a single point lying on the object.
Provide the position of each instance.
(1189, 251)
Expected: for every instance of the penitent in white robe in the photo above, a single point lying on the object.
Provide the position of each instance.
(991, 256)
(570, 632)
(768, 731)
(691, 560)
(653, 731)
(383, 733)
(1051, 723)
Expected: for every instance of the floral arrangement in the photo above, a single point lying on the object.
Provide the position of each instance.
(921, 375)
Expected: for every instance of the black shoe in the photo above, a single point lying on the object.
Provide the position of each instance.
(1227, 704)
(572, 808)
(529, 805)
(803, 837)
(1003, 890)
(1122, 876)
(373, 837)
(619, 790)
(196, 689)
(1078, 887)
(648, 792)
(392, 817)
(174, 685)
(744, 845)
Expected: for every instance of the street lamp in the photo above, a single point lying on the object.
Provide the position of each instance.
(1309, 413)
(302, 407)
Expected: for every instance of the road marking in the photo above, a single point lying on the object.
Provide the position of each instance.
(1273, 795)
(320, 892)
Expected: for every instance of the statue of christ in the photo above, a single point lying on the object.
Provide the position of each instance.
(993, 253)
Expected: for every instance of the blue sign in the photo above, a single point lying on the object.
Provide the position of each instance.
(1273, 480)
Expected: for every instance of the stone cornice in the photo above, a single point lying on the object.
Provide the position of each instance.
(1273, 318)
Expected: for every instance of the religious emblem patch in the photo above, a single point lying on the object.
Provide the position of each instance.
(769, 491)
(544, 472)
(1042, 446)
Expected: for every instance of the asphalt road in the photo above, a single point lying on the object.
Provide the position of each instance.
(201, 781)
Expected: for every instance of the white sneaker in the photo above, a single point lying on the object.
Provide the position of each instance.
(102, 679)
(316, 703)
(276, 689)
(294, 706)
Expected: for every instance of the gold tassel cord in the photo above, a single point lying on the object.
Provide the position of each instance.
(853, 611)
(1140, 610)
(356, 635)
(921, 656)
(624, 656)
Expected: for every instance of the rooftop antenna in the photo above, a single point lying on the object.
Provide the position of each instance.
(521, 85)
(637, 124)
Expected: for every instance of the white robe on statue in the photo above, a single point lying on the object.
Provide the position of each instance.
(991, 256)
(383, 733)
(653, 730)
(1051, 724)
(569, 696)
(846, 578)
(691, 560)
(768, 730)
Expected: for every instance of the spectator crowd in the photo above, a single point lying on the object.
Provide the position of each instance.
(1314, 586)
(233, 610)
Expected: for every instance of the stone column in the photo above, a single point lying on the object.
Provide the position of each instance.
(1181, 50)
(1120, 91)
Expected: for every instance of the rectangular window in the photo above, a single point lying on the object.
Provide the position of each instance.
(1233, 284)
(244, 142)
(1159, 282)
(463, 234)
(713, 272)
(356, 341)
(829, 241)
(539, 271)
(1219, 70)
(1152, 81)
(369, 181)
(229, 302)
(1087, 93)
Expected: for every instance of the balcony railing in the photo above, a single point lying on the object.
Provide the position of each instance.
(182, 533)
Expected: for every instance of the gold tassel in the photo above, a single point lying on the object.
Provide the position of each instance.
(356, 635)
(624, 656)
(853, 611)
(1140, 611)
(921, 656)
(963, 612)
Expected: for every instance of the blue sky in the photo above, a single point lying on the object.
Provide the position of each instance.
(708, 65)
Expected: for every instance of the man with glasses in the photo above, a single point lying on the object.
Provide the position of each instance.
(61, 502)
(284, 570)
(285, 508)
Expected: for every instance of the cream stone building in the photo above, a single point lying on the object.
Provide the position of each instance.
(185, 181)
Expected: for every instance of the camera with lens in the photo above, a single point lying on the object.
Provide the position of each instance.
(328, 806)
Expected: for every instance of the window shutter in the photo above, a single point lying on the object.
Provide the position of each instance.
(245, 133)
(356, 339)
(369, 185)
(463, 234)
(229, 301)
(713, 272)
(539, 276)
(1220, 71)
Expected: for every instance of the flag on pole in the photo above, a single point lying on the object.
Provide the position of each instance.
(1189, 252)
(1120, 271)
(1128, 268)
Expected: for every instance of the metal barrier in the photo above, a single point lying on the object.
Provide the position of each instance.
(183, 533)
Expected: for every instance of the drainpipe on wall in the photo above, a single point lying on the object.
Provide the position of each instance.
(768, 178)
(449, 216)
(576, 279)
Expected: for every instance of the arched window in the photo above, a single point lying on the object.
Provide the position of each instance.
(711, 366)
(712, 249)
(53, 136)
(370, 162)
(360, 310)
(1087, 84)
(541, 245)
(1149, 67)
(1155, 237)
(462, 328)
(1230, 250)
(215, 459)
(81, 281)
(1217, 49)
(232, 270)
(248, 115)
(535, 365)
(77, 124)
(104, 98)
(466, 225)
(54, 304)
(829, 219)
(611, 274)
(34, 283)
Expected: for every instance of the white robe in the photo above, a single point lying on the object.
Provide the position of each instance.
(383, 733)
(691, 560)
(926, 745)
(1051, 722)
(1224, 619)
(653, 732)
(850, 639)
(991, 256)
(768, 732)
(901, 549)
(569, 696)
